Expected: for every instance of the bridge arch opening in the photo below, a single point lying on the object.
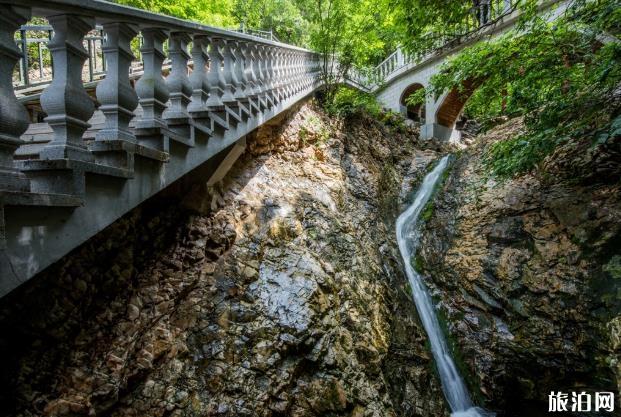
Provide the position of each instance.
(453, 104)
(413, 112)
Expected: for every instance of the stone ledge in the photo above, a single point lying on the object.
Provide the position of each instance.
(135, 148)
(10, 198)
(70, 164)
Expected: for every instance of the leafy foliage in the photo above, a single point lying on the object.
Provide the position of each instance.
(562, 76)
(348, 101)
(211, 12)
(283, 17)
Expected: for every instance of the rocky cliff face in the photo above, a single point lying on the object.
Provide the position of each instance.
(277, 293)
(527, 275)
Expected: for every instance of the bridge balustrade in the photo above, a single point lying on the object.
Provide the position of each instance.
(240, 69)
(134, 102)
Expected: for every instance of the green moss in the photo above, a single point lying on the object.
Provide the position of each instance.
(418, 262)
(472, 382)
(613, 267)
(427, 212)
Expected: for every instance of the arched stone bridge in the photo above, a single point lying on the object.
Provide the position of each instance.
(400, 75)
(105, 146)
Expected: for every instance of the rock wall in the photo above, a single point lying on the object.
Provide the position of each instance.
(276, 293)
(527, 274)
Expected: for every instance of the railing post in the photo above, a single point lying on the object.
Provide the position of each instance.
(198, 78)
(177, 81)
(13, 115)
(151, 88)
(214, 77)
(66, 102)
(115, 93)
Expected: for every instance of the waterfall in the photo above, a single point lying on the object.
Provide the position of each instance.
(408, 236)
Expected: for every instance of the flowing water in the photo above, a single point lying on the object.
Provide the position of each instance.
(408, 236)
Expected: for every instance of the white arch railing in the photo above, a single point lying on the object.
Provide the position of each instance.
(481, 18)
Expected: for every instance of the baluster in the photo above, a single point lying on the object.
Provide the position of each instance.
(238, 80)
(305, 57)
(66, 102)
(257, 75)
(214, 77)
(258, 68)
(299, 70)
(13, 115)
(151, 87)
(198, 78)
(249, 68)
(294, 73)
(289, 73)
(241, 91)
(177, 81)
(268, 71)
(300, 67)
(277, 76)
(115, 93)
(228, 75)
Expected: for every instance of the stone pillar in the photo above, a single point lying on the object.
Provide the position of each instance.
(228, 72)
(177, 81)
(214, 77)
(66, 102)
(198, 78)
(151, 87)
(115, 93)
(13, 115)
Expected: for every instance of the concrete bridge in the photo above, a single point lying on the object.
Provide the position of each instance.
(401, 74)
(87, 153)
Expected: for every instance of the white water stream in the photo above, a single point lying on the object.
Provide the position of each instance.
(408, 236)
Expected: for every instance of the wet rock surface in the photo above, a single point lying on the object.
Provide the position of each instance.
(280, 293)
(526, 272)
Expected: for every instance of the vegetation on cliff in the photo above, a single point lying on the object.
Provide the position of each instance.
(564, 76)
